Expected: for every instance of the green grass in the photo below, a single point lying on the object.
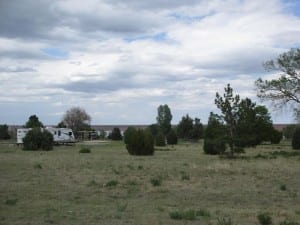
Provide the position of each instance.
(109, 186)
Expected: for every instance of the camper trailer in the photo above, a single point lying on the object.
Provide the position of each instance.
(21, 133)
(60, 135)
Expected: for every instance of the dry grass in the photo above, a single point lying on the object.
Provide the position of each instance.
(108, 186)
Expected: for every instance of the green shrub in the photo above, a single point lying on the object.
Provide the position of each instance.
(156, 181)
(264, 219)
(296, 139)
(139, 142)
(288, 131)
(85, 150)
(172, 138)
(37, 139)
(160, 140)
(111, 183)
(11, 201)
(275, 137)
(282, 187)
(214, 146)
(116, 134)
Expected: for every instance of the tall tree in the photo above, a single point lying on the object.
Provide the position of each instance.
(77, 119)
(228, 104)
(285, 89)
(164, 118)
(33, 121)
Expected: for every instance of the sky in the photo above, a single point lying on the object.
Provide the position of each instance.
(120, 60)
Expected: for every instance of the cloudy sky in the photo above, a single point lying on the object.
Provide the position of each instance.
(120, 60)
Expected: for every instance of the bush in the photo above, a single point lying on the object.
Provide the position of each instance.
(172, 138)
(296, 139)
(128, 134)
(139, 142)
(275, 137)
(289, 130)
(37, 139)
(264, 219)
(156, 181)
(214, 146)
(160, 140)
(116, 134)
(85, 150)
(4, 132)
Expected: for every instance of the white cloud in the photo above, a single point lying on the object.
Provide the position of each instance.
(130, 57)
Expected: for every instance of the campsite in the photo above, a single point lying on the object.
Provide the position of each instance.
(178, 185)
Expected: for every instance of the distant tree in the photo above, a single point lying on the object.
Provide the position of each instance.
(289, 130)
(61, 125)
(33, 122)
(160, 139)
(172, 137)
(185, 127)
(197, 131)
(275, 137)
(4, 135)
(77, 119)
(286, 88)
(215, 135)
(164, 118)
(154, 129)
(253, 125)
(228, 104)
(296, 139)
(116, 134)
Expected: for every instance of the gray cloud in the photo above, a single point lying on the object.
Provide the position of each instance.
(18, 69)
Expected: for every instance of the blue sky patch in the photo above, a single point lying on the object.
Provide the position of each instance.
(159, 37)
(56, 52)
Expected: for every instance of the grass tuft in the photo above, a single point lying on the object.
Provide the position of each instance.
(85, 150)
(264, 219)
(112, 183)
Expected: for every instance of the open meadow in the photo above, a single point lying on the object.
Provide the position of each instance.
(178, 185)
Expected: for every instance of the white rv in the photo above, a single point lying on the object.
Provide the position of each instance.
(21, 133)
(60, 135)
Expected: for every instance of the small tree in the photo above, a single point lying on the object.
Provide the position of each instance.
(289, 130)
(37, 139)
(215, 135)
(160, 140)
(4, 135)
(33, 122)
(185, 127)
(296, 139)
(275, 136)
(228, 104)
(197, 132)
(172, 138)
(61, 125)
(139, 142)
(164, 118)
(116, 134)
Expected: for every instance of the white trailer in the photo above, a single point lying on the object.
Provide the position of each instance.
(60, 135)
(21, 133)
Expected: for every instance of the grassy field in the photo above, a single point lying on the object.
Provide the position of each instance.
(178, 185)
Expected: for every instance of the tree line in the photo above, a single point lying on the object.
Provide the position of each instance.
(241, 122)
